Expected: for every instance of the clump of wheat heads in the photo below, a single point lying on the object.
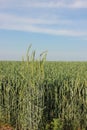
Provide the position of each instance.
(21, 91)
(31, 93)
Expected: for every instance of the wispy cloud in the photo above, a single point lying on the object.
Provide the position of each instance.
(43, 4)
(79, 4)
(57, 26)
(58, 4)
(9, 18)
(32, 28)
(13, 22)
(65, 18)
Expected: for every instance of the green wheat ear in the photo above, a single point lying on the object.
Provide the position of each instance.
(28, 51)
(44, 53)
(43, 56)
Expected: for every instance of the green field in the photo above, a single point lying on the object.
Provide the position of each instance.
(39, 95)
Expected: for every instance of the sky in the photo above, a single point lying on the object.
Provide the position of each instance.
(58, 26)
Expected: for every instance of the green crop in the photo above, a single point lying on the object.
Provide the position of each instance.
(40, 95)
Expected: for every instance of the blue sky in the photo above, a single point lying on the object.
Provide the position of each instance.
(59, 26)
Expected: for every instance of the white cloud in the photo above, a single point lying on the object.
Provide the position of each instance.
(43, 4)
(11, 22)
(32, 28)
(58, 4)
(9, 18)
(79, 4)
(25, 23)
